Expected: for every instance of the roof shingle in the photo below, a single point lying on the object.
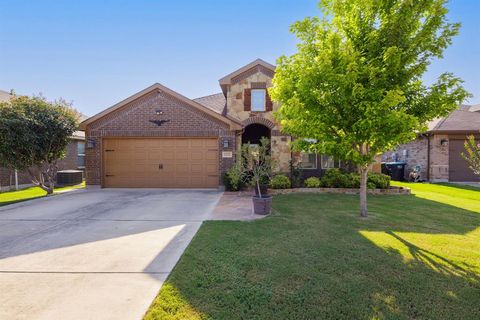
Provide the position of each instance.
(215, 102)
(465, 118)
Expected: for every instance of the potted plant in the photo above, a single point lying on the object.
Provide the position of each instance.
(258, 167)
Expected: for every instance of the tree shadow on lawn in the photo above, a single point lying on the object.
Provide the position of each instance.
(316, 259)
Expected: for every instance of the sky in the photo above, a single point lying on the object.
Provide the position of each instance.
(97, 53)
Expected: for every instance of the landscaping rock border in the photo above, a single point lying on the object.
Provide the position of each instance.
(389, 191)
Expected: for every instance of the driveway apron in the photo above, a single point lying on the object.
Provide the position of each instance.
(96, 253)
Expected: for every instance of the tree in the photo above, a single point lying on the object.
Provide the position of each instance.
(34, 134)
(257, 163)
(473, 154)
(354, 88)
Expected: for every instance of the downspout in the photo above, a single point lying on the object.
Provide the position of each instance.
(428, 157)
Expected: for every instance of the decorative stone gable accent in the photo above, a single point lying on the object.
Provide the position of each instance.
(252, 71)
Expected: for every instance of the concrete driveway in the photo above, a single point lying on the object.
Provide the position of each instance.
(94, 254)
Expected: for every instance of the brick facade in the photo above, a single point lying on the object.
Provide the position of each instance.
(416, 153)
(413, 153)
(135, 120)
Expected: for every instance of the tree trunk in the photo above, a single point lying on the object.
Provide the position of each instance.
(47, 189)
(258, 188)
(363, 191)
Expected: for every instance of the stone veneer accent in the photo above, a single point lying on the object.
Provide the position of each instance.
(390, 191)
(133, 120)
(235, 108)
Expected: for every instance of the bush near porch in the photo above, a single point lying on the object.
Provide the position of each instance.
(415, 257)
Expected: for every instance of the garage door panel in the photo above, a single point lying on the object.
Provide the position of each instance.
(211, 143)
(196, 168)
(458, 167)
(197, 143)
(168, 155)
(211, 181)
(181, 155)
(161, 162)
(211, 155)
(211, 169)
(196, 155)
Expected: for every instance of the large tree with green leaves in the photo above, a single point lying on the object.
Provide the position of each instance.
(355, 86)
(34, 134)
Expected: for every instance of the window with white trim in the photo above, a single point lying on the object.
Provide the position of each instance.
(327, 162)
(308, 160)
(81, 154)
(258, 99)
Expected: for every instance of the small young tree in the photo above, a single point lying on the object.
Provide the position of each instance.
(257, 164)
(34, 134)
(355, 87)
(473, 154)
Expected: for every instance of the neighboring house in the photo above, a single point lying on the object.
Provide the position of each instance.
(159, 138)
(74, 159)
(438, 151)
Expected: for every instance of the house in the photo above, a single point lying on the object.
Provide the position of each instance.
(160, 138)
(74, 159)
(438, 151)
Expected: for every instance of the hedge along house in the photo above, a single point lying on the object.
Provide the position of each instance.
(159, 138)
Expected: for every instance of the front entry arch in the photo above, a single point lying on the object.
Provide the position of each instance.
(254, 132)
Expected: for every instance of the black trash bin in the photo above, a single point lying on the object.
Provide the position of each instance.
(396, 170)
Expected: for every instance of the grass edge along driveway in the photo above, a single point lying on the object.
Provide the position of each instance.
(30, 193)
(413, 258)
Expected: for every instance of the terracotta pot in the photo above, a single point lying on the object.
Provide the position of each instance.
(262, 205)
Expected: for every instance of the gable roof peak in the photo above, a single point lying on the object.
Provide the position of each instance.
(228, 78)
(159, 87)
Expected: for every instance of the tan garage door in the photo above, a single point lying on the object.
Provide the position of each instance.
(161, 163)
(458, 169)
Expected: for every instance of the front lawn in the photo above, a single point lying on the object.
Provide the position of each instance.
(10, 197)
(415, 257)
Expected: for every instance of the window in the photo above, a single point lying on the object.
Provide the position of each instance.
(308, 161)
(258, 99)
(327, 162)
(81, 154)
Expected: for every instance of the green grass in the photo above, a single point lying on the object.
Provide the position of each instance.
(461, 196)
(415, 257)
(10, 197)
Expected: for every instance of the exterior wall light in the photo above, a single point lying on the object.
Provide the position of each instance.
(158, 112)
(444, 142)
(226, 143)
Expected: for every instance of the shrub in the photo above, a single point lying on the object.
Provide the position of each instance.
(334, 178)
(312, 182)
(380, 181)
(371, 185)
(295, 174)
(233, 178)
(354, 180)
(280, 182)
